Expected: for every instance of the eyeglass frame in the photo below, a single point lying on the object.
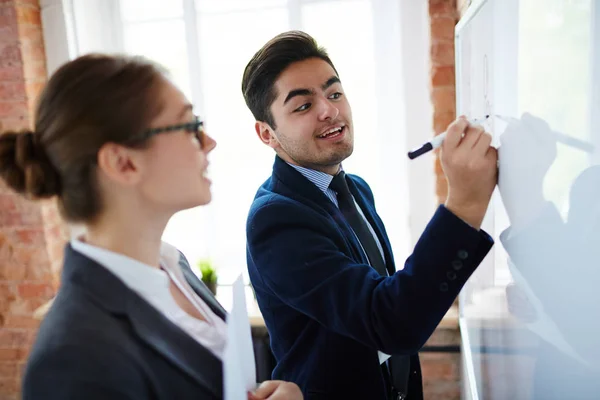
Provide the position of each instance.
(197, 127)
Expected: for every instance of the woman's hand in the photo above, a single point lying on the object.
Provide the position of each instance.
(276, 390)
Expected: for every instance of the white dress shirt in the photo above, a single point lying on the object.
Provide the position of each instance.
(152, 284)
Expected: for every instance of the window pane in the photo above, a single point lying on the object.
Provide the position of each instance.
(142, 10)
(240, 163)
(218, 6)
(164, 42)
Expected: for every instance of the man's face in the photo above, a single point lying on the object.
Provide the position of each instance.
(312, 116)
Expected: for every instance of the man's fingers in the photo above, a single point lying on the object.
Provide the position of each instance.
(472, 135)
(483, 143)
(455, 132)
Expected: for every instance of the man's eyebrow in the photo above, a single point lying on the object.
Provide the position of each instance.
(330, 81)
(297, 92)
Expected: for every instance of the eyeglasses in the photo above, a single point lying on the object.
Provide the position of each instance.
(196, 127)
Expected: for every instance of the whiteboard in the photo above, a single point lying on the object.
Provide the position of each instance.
(525, 314)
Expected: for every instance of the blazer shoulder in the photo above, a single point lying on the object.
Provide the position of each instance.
(362, 186)
(74, 319)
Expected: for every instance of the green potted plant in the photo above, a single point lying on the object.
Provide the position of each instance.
(209, 274)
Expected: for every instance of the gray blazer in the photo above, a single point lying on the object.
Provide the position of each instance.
(100, 340)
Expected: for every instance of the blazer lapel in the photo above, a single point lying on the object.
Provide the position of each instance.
(201, 289)
(301, 189)
(150, 326)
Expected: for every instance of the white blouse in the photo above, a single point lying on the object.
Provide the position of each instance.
(152, 284)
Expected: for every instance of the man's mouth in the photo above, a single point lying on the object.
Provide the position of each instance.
(332, 132)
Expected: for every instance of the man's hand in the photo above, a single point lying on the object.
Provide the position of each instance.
(470, 165)
(276, 390)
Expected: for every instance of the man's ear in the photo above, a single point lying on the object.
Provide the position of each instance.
(266, 134)
(119, 164)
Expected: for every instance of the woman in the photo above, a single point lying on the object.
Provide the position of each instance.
(119, 146)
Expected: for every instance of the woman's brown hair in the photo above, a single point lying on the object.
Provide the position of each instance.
(92, 100)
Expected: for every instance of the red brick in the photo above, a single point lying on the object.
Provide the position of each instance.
(36, 290)
(9, 386)
(11, 73)
(20, 322)
(12, 90)
(9, 369)
(26, 307)
(29, 15)
(14, 338)
(7, 203)
(31, 236)
(442, 53)
(443, 76)
(14, 124)
(11, 272)
(37, 264)
(441, 119)
(8, 16)
(33, 90)
(10, 54)
(35, 70)
(442, 8)
(12, 354)
(8, 31)
(14, 108)
(33, 50)
(444, 100)
(7, 295)
(35, 3)
(442, 28)
(30, 32)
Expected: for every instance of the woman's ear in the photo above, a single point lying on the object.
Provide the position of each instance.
(120, 164)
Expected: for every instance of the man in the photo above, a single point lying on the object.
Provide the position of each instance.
(318, 255)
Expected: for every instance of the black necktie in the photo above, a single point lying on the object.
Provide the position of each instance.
(359, 225)
(400, 365)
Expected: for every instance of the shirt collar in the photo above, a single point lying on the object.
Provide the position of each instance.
(321, 180)
(138, 276)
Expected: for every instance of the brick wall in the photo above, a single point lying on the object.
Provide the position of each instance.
(31, 234)
(440, 366)
(443, 17)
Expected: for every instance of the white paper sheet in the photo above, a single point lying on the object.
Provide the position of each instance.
(239, 371)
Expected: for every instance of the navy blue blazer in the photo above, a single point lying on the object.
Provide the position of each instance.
(101, 340)
(327, 311)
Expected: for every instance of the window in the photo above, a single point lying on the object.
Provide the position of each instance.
(206, 44)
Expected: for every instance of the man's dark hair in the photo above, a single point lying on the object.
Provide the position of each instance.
(258, 83)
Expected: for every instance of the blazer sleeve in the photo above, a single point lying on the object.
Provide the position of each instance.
(83, 372)
(296, 253)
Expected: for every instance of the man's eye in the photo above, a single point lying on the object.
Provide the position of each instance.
(303, 107)
(335, 96)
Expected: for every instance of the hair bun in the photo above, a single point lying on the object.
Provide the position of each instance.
(25, 167)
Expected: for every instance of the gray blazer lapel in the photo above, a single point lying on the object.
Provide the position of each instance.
(176, 345)
(149, 325)
(200, 288)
